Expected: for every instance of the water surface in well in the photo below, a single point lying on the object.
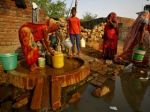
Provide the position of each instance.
(70, 66)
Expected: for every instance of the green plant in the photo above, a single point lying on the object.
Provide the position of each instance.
(52, 9)
(89, 16)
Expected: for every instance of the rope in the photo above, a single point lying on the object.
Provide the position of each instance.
(76, 4)
(70, 8)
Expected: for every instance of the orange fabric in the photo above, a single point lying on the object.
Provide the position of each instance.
(30, 51)
(31, 55)
(30, 33)
(74, 25)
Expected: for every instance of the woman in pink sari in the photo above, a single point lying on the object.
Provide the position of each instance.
(135, 36)
(146, 45)
(110, 37)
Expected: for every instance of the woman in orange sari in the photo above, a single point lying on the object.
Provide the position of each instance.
(29, 34)
(29, 47)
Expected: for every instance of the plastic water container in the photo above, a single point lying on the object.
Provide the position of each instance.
(41, 62)
(9, 61)
(68, 43)
(58, 60)
(83, 42)
(138, 55)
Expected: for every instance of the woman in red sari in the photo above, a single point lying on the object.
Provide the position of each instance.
(110, 37)
(135, 36)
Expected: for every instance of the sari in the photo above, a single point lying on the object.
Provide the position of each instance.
(134, 36)
(146, 45)
(31, 33)
(110, 39)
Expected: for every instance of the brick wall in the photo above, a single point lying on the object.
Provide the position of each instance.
(11, 18)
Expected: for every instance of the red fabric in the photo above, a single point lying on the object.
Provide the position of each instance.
(74, 25)
(37, 30)
(110, 38)
(31, 55)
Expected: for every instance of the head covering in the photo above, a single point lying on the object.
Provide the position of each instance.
(144, 16)
(111, 16)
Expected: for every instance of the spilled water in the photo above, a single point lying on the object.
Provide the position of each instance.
(130, 92)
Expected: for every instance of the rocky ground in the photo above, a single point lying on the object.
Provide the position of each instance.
(100, 71)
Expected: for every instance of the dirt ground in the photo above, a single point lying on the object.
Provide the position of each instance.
(95, 47)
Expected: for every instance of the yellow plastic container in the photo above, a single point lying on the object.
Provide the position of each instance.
(58, 60)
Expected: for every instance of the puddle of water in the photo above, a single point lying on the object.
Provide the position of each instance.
(128, 94)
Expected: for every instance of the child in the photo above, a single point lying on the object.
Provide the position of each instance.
(73, 28)
(54, 40)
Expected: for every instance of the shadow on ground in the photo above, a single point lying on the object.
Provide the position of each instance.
(92, 52)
